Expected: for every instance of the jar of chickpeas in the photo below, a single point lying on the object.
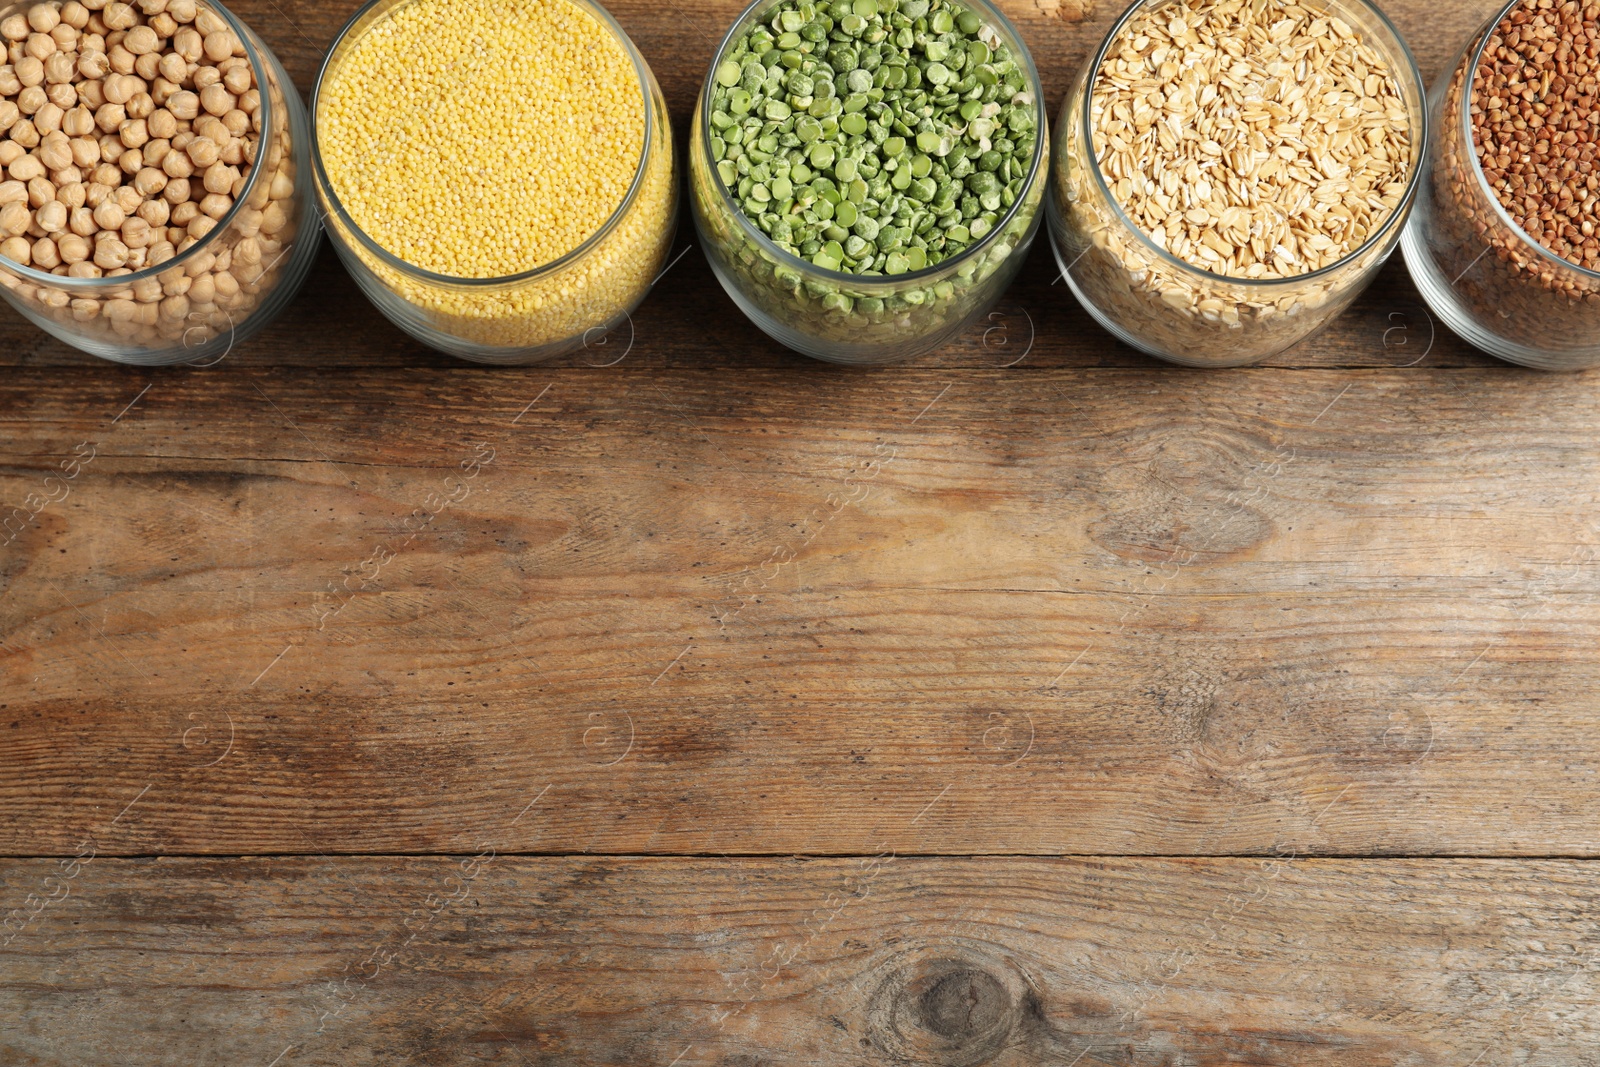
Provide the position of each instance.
(152, 209)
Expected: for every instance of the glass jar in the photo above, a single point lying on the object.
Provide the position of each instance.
(851, 318)
(542, 313)
(1164, 306)
(1479, 271)
(230, 282)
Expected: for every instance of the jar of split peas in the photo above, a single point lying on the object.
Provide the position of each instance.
(496, 174)
(152, 205)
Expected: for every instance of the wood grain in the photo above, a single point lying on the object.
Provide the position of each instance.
(881, 960)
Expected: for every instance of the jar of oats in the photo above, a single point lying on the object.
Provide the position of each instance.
(1234, 172)
(152, 209)
(1504, 244)
(496, 174)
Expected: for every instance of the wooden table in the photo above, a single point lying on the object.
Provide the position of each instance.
(1030, 703)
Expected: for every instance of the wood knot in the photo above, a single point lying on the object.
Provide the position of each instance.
(964, 1004)
(953, 1010)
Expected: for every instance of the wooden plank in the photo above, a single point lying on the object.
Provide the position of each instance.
(889, 959)
(1113, 614)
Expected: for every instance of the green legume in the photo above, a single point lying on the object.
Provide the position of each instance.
(872, 136)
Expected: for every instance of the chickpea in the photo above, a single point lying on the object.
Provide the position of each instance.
(29, 70)
(109, 216)
(85, 151)
(217, 100)
(47, 119)
(164, 25)
(174, 68)
(216, 205)
(110, 253)
(25, 133)
(93, 65)
(66, 176)
(200, 226)
(221, 44)
(14, 220)
(26, 169)
(45, 255)
(136, 232)
(14, 27)
(82, 222)
(119, 16)
(10, 152)
(219, 178)
(128, 198)
(63, 96)
(110, 116)
(204, 76)
(52, 217)
(55, 152)
(120, 310)
(122, 60)
(58, 69)
(185, 213)
(41, 46)
(111, 150)
(43, 18)
(73, 249)
(77, 122)
(155, 212)
(17, 249)
(149, 182)
(238, 80)
(41, 191)
(72, 194)
(202, 152)
(10, 84)
(177, 190)
(184, 105)
(31, 99)
(182, 10)
(203, 290)
(177, 165)
(156, 151)
(135, 133)
(162, 123)
(131, 162)
(74, 14)
(141, 41)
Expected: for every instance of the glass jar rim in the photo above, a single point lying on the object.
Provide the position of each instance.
(1469, 147)
(642, 76)
(1413, 179)
(269, 117)
(856, 281)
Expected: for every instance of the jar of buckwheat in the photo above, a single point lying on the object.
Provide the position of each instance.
(154, 206)
(1505, 241)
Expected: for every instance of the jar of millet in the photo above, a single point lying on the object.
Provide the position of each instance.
(496, 174)
(1505, 242)
(151, 207)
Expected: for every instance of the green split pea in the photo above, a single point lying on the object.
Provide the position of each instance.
(874, 137)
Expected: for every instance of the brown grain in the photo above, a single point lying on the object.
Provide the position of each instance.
(1536, 125)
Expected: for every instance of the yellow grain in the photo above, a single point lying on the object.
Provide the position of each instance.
(481, 139)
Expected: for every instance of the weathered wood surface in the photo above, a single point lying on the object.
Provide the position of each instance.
(1112, 612)
(832, 963)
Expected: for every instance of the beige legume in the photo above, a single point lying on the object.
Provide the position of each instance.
(97, 105)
